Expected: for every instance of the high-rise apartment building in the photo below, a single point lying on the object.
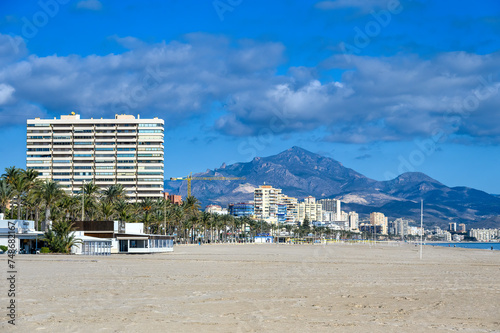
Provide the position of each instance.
(266, 200)
(291, 209)
(309, 209)
(353, 219)
(379, 219)
(332, 205)
(124, 150)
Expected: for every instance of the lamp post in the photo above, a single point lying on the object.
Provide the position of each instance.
(83, 200)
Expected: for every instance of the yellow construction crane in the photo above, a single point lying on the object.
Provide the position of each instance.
(190, 178)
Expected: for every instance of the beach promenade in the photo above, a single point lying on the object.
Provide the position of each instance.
(261, 288)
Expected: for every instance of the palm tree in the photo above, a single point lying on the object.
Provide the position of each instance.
(90, 192)
(34, 201)
(122, 209)
(11, 173)
(60, 237)
(146, 205)
(50, 193)
(19, 184)
(6, 194)
(106, 209)
(31, 180)
(205, 219)
(178, 215)
(114, 193)
(191, 205)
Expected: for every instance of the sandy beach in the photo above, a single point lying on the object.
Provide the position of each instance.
(261, 288)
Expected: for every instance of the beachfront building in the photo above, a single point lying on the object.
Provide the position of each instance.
(452, 226)
(216, 209)
(379, 219)
(74, 151)
(353, 220)
(26, 238)
(292, 206)
(124, 237)
(266, 200)
(485, 235)
(309, 209)
(241, 209)
(399, 227)
(333, 207)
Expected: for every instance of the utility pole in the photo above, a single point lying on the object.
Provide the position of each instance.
(421, 226)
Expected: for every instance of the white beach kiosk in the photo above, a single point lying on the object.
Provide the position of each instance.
(120, 237)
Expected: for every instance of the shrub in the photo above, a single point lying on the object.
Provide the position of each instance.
(44, 250)
(60, 237)
(3, 248)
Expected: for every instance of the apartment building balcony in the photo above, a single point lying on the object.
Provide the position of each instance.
(104, 182)
(33, 161)
(61, 162)
(151, 194)
(85, 127)
(62, 127)
(106, 133)
(62, 142)
(42, 140)
(78, 182)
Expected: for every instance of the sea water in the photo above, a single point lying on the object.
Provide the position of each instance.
(469, 245)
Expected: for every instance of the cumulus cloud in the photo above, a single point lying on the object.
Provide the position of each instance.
(5, 93)
(377, 99)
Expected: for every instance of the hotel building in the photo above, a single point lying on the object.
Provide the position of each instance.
(379, 219)
(124, 150)
(309, 209)
(266, 200)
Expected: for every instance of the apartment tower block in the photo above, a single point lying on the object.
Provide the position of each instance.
(124, 150)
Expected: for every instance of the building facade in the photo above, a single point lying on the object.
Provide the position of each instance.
(241, 209)
(74, 151)
(266, 200)
(291, 209)
(381, 220)
(216, 209)
(332, 205)
(353, 221)
(309, 209)
(173, 198)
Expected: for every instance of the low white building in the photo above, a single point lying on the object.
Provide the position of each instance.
(26, 239)
(125, 237)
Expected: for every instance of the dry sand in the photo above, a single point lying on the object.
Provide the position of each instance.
(261, 288)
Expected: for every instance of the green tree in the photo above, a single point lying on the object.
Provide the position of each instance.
(114, 193)
(49, 193)
(6, 194)
(60, 238)
(20, 185)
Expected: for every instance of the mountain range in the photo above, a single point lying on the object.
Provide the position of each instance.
(300, 173)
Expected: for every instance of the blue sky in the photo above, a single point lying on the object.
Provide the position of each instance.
(382, 86)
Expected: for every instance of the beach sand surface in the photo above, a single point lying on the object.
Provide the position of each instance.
(260, 288)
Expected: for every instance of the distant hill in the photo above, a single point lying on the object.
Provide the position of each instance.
(301, 173)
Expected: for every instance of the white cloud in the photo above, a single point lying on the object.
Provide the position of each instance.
(6, 92)
(90, 5)
(377, 99)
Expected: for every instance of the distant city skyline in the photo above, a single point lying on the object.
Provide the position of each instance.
(382, 86)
